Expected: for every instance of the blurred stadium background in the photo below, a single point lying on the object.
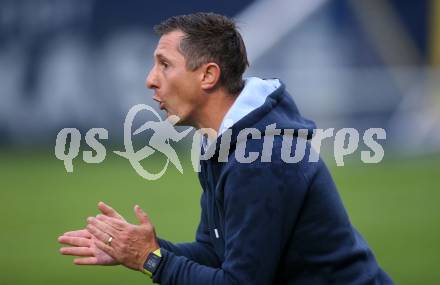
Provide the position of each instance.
(82, 64)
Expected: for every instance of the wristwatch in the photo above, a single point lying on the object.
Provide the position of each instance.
(152, 262)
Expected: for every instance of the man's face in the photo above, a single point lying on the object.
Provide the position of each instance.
(175, 88)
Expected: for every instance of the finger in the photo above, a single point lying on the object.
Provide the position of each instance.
(75, 241)
(76, 251)
(99, 235)
(115, 223)
(109, 211)
(104, 227)
(141, 215)
(79, 233)
(104, 247)
(86, 261)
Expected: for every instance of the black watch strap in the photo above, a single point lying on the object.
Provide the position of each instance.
(152, 262)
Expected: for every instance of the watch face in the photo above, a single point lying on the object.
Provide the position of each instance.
(152, 263)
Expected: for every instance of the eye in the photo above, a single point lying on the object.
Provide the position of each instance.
(164, 64)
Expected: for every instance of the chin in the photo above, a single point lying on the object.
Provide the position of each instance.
(179, 123)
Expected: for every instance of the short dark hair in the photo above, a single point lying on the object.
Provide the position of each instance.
(211, 37)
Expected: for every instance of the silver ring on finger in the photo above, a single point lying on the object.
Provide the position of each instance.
(109, 241)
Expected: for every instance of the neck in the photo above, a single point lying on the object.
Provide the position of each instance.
(214, 110)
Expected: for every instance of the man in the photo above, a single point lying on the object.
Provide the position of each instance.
(262, 222)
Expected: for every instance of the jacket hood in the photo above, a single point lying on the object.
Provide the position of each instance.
(278, 108)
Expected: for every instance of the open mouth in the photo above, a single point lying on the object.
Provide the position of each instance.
(161, 104)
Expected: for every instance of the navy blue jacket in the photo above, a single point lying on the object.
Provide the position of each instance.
(270, 222)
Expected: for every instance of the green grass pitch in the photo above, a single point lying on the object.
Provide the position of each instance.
(395, 205)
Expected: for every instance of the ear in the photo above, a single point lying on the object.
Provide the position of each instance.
(210, 75)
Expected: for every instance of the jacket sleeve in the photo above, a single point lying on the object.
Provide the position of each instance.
(256, 220)
(201, 250)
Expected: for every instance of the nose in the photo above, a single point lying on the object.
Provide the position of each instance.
(151, 80)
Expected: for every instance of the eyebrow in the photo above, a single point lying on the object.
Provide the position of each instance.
(161, 56)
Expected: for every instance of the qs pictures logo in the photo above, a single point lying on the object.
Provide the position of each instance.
(293, 144)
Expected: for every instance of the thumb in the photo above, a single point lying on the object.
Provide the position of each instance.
(141, 215)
